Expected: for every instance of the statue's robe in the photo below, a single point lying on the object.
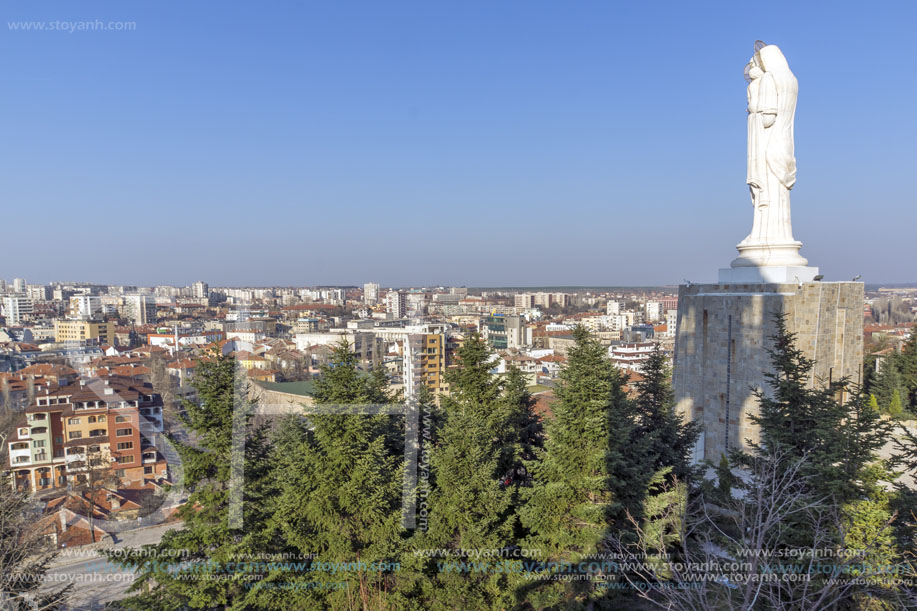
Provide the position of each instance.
(777, 94)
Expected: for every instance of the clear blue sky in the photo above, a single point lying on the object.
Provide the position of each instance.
(480, 143)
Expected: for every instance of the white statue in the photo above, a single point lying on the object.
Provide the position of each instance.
(772, 90)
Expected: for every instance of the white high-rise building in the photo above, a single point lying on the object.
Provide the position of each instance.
(15, 308)
(417, 304)
(200, 290)
(85, 307)
(139, 309)
(38, 292)
(396, 304)
(336, 296)
(671, 322)
(370, 293)
(613, 308)
(19, 285)
(653, 310)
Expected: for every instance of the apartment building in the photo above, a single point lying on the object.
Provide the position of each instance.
(524, 300)
(84, 307)
(139, 309)
(631, 356)
(370, 293)
(504, 332)
(424, 363)
(366, 345)
(16, 308)
(107, 424)
(200, 290)
(653, 311)
(396, 304)
(84, 331)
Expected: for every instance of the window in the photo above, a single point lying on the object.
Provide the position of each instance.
(101, 419)
(124, 459)
(147, 470)
(126, 445)
(123, 432)
(92, 419)
(38, 443)
(122, 419)
(58, 439)
(73, 421)
(23, 432)
(120, 472)
(75, 434)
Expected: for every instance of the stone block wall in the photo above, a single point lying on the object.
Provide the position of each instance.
(722, 337)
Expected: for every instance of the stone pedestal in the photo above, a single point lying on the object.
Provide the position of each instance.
(775, 274)
(721, 344)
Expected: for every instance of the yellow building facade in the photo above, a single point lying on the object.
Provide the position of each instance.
(83, 331)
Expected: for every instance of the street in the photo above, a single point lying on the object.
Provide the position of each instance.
(96, 580)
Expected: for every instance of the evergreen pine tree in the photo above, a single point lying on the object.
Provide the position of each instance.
(907, 365)
(672, 438)
(340, 483)
(198, 566)
(905, 499)
(838, 445)
(799, 420)
(864, 432)
(874, 403)
(888, 383)
(522, 429)
(590, 473)
(470, 505)
(895, 407)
